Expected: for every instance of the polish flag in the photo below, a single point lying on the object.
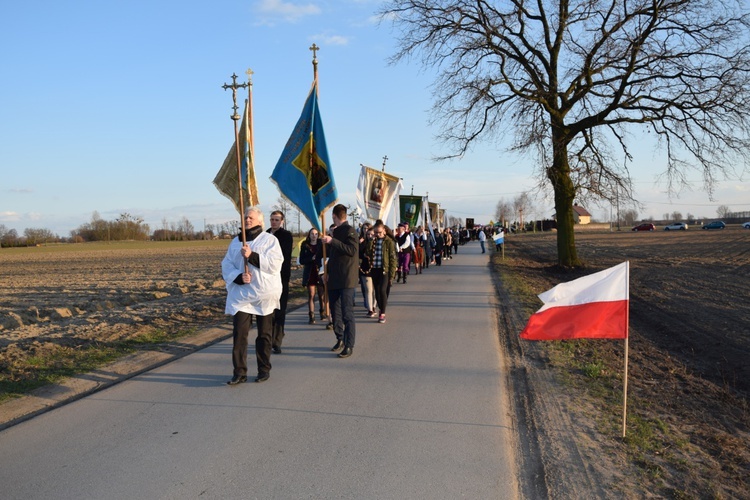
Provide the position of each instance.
(591, 307)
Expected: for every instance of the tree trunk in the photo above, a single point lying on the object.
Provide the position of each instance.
(559, 175)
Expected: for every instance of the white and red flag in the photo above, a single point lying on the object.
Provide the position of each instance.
(591, 307)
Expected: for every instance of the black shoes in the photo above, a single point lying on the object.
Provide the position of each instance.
(262, 377)
(346, 352)
(339, 345)
(276, 349)
(237, 379)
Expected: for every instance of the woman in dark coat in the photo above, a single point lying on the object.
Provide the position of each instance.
(310, 256)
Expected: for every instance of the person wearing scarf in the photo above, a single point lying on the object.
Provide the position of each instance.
(252, 293)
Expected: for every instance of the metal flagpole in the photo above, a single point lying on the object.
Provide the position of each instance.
(235, 118)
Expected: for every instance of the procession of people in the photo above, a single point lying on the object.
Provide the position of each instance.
(256, 270)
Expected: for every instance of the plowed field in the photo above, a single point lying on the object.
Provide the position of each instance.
(689, 359)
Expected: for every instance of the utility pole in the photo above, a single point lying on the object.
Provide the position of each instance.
(617, 201)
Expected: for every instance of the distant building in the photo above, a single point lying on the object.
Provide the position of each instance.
(581, 215)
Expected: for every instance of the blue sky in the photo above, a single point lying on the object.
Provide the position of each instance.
(117, 107)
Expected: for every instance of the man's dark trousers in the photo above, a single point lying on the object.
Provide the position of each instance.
(242, 322)
(341, 302)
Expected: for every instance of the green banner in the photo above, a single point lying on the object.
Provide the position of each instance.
(410, 209)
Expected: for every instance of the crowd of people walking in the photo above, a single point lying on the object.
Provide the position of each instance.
(257, 275)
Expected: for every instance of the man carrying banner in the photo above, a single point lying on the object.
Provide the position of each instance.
(252, 273)
(343, 276)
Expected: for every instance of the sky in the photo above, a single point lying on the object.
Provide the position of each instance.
(118, 107)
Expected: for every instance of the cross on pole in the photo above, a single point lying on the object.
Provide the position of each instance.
(235, 117)
(234, 86)
(315, 50)
(385, 158)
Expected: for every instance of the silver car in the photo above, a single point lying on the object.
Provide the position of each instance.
(676, 226)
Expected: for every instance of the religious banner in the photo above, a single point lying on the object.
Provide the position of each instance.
(226, 180)
(303, 173)
(410, 207)
(435, 216)
(376, 191)
(425, 217)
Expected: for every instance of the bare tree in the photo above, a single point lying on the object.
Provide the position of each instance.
(283, 205)
(629, 216)
(186, 228)
(522, 207)
(354, 214)
(723, 212)
(503, 211)
(35, 236)
(9, 238)
(455, 221)
(569, 77)
(676, 216)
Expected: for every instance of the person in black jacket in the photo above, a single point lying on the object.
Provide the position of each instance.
(439, 247)
(310, 255)
(343, 276)
(286, 241)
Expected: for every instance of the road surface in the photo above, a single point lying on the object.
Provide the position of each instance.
(418, 412)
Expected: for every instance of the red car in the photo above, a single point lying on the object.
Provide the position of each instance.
(646, 226)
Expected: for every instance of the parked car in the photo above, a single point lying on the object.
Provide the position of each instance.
(746, 225)
(644, 227)
(717, 224)
(676, 226)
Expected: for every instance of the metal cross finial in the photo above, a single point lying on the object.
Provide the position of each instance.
(315, 50)
(234, 86)
(385, 158)
(249, 74)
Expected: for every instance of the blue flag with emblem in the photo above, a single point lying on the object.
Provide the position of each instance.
(303, 173)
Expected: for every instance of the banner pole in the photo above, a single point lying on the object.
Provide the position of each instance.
(235, 118)
(314, 48)
(252, 191)
(325, 268)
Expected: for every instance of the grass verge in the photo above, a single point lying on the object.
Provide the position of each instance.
(590, 371)
(49, 363)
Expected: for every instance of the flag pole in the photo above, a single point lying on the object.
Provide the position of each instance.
(625, 371)
(235, 118)
(314, 48)
(252, 199)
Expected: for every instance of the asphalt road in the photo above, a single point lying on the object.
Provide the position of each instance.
(419, 411)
